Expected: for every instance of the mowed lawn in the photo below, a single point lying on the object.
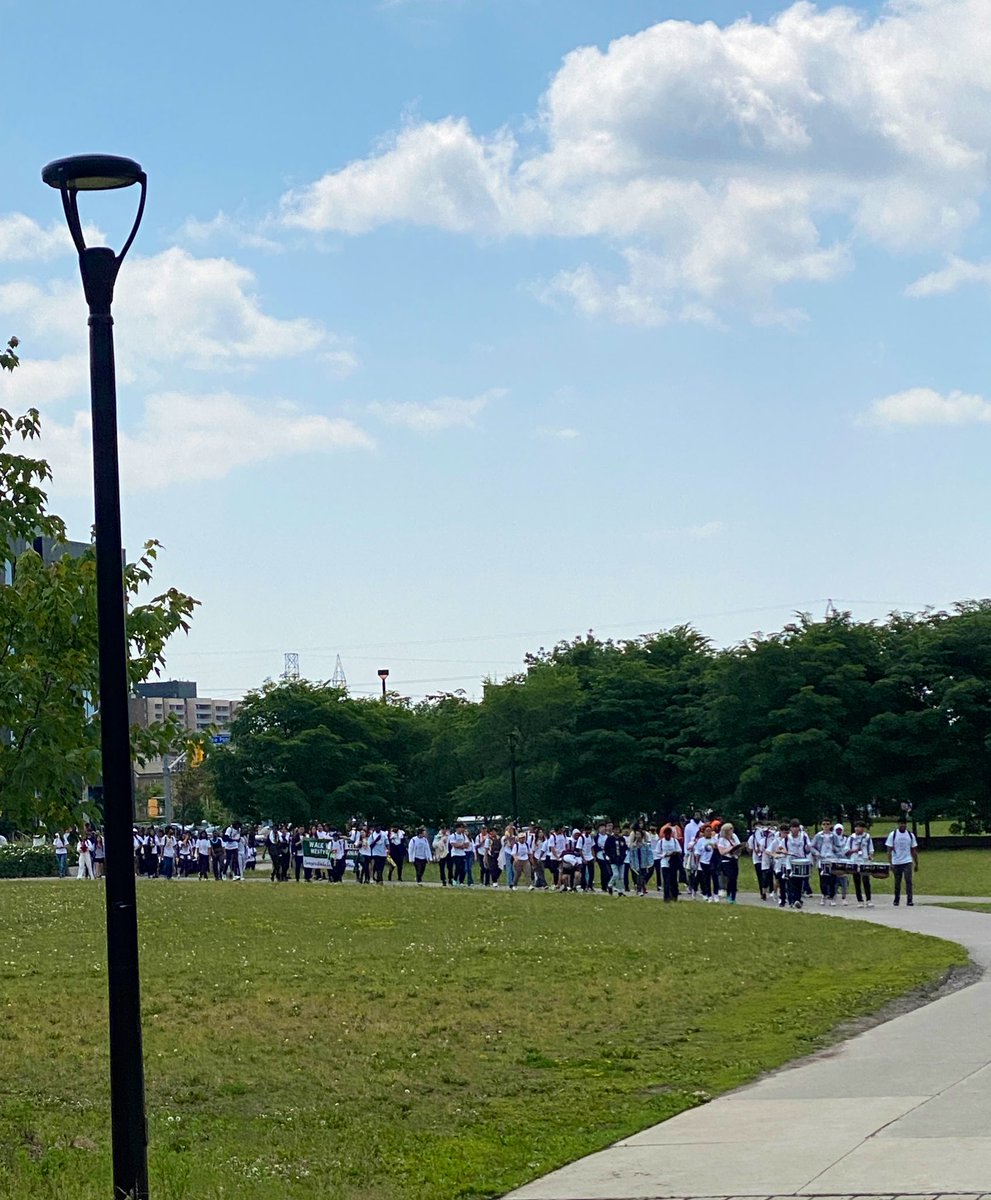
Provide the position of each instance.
(941, 873)
(311, 1041)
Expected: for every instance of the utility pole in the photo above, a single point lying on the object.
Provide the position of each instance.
(513, 737)
(170, 763)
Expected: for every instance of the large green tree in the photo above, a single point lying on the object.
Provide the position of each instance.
(49, 679)
(303, 751)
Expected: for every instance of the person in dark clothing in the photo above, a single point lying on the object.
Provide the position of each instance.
(615, 855)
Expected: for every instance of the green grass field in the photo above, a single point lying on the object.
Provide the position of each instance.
(368, 1043)
(941, 873)
(978, 908)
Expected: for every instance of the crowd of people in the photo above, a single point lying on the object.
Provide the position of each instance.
(697, 857)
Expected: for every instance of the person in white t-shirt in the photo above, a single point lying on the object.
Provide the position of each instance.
(758, 843)
(169, 847)
(60, 845)
(458, 849)
(903, 854)
(419, 853)
(520, 852)
(860, 849)
(203, 854)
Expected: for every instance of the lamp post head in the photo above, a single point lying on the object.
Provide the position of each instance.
(92, 173)
(383, 673)
(95, 173)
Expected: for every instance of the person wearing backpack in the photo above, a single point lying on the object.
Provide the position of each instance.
(903, 854)
(378, 847)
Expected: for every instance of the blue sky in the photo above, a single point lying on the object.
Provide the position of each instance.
(455, 327)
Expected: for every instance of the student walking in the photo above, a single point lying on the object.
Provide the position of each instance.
(903, 854)
(860, 849)
(378, 848)
(60, 844)
(729, 849)
(85, 852)
(419, 853)
(441, 854)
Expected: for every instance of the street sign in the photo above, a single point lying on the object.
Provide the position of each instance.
(220, 739)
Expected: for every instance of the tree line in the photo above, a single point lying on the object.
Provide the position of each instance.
(834, 717)
(825, 717)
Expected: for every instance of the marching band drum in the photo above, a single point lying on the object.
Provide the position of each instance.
(854, 866)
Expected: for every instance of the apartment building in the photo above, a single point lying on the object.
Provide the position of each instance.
(178, 697)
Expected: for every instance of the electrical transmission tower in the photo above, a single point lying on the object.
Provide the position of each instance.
(339, 679)
(292, 667)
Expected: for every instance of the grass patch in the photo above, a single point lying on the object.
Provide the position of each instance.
(978, 908)
(369, 1043)
(942, 873)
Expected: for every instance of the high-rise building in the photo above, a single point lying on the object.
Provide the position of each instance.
(156, 701)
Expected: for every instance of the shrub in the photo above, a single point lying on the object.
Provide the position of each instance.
(18, 861)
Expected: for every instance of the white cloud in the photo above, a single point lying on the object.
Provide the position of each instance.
(563, 435)
(173, 307)
(957, 271)
(23, 239)
(226, 228)
(720, 162)
(923, 406)
(447, 412)
(38, 383)
(183, 438)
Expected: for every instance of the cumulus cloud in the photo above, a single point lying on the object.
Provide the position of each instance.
(204, 313)
(183, 438)
(722, 163)
(957, 271)
(923, 406)
(446, 412)
(23, 239)
(38, 383)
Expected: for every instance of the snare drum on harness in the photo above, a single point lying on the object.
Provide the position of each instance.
(873, 870)
(798, 868)
(835, 866)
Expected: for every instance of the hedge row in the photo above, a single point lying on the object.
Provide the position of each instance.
(27, 862)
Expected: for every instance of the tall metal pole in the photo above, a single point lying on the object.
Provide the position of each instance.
(167, 788)
(98, 266)
(512, 777)
(128, 1125)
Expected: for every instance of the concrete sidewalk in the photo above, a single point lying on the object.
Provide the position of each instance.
(903, 1109)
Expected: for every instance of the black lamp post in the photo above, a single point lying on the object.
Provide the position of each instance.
(98, 266)
(513, 738)
(383, 675)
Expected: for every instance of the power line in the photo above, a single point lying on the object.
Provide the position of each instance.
(351, 651)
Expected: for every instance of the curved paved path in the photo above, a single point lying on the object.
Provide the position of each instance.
(903, 1109)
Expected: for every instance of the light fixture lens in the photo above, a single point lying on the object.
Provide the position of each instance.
(92, 173)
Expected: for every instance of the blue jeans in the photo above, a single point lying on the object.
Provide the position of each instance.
(469, 861)
(61, 860)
